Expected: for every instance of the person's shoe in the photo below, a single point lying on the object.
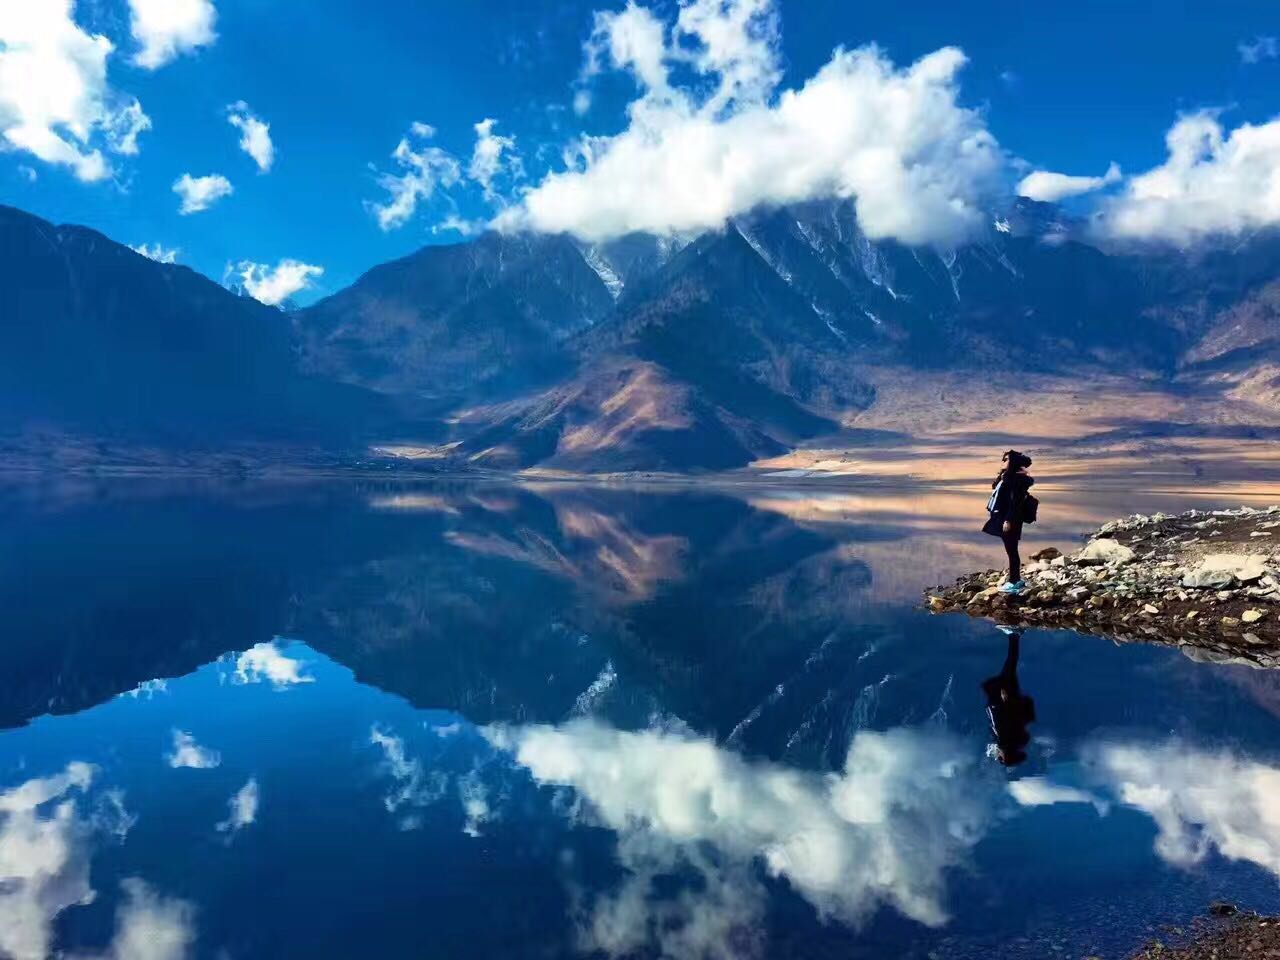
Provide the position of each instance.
(1015, 587)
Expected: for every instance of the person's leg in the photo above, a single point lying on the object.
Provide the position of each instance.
(1015, 562)
(1010, 668)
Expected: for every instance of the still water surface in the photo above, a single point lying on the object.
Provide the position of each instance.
(479, 721)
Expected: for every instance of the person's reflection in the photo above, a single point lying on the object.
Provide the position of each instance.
(1008, 708)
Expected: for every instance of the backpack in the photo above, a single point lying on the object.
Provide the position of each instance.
(1030, 507)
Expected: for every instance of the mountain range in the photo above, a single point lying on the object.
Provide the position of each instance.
(639, 354)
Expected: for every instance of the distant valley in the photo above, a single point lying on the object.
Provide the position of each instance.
(788, 331)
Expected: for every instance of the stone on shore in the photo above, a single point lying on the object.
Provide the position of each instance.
(1104, 551)
(1222, 570)
(1149, 580)
(1228, 933)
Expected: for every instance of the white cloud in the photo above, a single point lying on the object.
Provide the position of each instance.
(424, 168)
(34, 793)
(27, 173)
(1213, 183)
(242, 808)
(493, 157)
(187, 753)
(1200, 800)
(164, 29)
(413, 786)
(123, 127)
(1051, 187)
(1262, 48)
(160, 255)
(43, 859)
(474, 797)
(907, 808)
(149, 688)
(55, 101)
(631, 39)
(255, 135)
(151, 927)
(917, 164)
(45, 846)
(735, 40)
(200, 193)
(266, 661)
(273, 286)
(456, 224)
(1040, 792)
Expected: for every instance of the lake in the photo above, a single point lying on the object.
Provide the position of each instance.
(476, 720)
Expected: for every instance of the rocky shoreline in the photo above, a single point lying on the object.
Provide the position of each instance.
(1225, 935)
(1206, 581)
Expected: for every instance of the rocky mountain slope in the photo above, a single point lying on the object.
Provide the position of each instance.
(458, 321)
(99, 341)
(643, 353)
(1239, 352)
(731, 346)
(789, 321)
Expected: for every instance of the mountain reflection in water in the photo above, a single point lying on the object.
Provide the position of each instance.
(559, 721)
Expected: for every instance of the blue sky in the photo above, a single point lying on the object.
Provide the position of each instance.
(1069, 88)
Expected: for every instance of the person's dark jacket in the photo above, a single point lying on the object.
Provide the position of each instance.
(1011, 489)
(1009, 710)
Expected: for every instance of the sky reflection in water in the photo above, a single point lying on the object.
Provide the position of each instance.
(566, 722)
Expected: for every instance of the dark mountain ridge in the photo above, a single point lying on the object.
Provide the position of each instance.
(482, 317)
(642, 353)
(98, 340)
(764, 334)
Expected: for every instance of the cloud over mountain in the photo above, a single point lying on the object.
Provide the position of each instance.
(1050, 187)
(711, 135)
(1214, 182)
(493, 156)
(157, 252)
(273, 286)
(424, 167)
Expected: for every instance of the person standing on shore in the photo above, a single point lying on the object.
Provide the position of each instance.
(1008, 509)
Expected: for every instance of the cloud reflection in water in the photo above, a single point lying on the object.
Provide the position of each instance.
(48, 829)
(266, 662)
(189, 754)
(909, 804)
(1200, 800)
(412, 785)
(242, 809)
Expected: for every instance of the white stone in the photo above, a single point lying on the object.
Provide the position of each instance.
(1223, 569)
(1104, 550)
